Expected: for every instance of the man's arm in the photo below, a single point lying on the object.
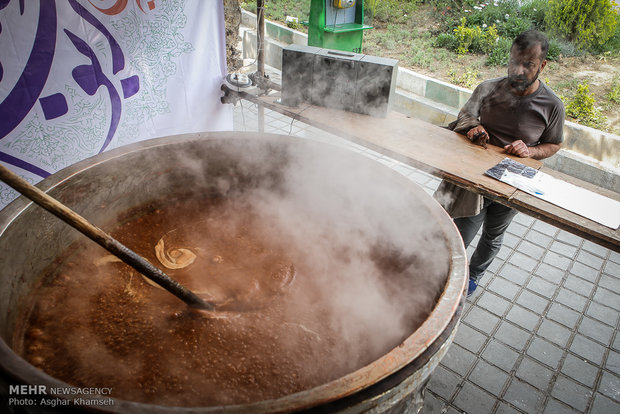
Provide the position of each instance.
(538, 152)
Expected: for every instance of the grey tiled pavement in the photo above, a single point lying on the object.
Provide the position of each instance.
(540, 335)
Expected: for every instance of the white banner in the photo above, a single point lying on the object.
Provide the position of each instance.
(78, 77)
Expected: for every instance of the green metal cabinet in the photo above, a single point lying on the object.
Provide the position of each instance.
(334, 27)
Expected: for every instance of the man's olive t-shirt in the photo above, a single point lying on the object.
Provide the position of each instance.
(535, 118)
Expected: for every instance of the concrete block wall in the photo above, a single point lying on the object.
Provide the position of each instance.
(588, 154)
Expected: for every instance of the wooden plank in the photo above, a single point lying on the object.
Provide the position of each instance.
(567, 220)
(425, 146)
(448, 155)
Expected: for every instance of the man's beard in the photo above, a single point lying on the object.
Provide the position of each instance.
(521, 84)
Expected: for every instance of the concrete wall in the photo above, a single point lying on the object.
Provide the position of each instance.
(588, 154)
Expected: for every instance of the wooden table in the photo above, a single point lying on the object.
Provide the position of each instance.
(450, 156)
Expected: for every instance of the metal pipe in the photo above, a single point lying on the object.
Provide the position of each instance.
(260, 39)
(260, 36)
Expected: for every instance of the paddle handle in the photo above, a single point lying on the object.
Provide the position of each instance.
(103, 239)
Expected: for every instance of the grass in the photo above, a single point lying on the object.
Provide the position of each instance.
(407, 30)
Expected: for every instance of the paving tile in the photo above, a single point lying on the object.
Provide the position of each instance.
(545, 228)
(556, 407)
(511, 240)
(488, 377)
(504, 253)
(534, 373)
(595, 248)
(563, 315)
(472, 399)
(603, 313)
(606, 297)
(493, 303)
(459, 360)
(554, 332)
(524, 262)
(614, 257)
(523, 317)
(604, 405)
(609, 282)
(539, 238)
(481, 319)
(523, 219)
(571, 299)
(532, 302)
(542, 287)
(589, 259)
(596, 330)
(524, 396)
(564, 249)
(587, 349)
(500, 355)
(443, 382)
(495, 265)
(504, 288)
(610, 386)
(612, 268)
(580, 370)
(532, 250)
(585, 272)
(469, 338)
(504, 408)
(571, 393)
(557, 260)
(613, 362)
(514, 274)
(512, 335)
(568, 238)
(545, 352)
(517, 229)
(578, 285)
(550, 273)
(616, 343)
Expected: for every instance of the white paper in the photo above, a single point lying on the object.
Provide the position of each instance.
(591, 205)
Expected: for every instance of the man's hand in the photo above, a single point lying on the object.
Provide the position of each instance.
(478, 135)
(537, 152)
(476, 131)
(518, 148)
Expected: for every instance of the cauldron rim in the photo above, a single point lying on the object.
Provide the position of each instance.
(399, 357)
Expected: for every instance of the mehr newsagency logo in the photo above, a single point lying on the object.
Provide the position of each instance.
(42, 395)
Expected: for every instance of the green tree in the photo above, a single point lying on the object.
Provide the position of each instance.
(588, 23)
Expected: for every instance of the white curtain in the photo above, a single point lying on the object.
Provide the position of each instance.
(78, 77)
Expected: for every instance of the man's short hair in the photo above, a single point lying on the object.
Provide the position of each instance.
(529, 39)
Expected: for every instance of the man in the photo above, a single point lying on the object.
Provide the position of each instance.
(519, 113)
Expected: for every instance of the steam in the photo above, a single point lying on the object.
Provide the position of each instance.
(370, 260)
(377, 259)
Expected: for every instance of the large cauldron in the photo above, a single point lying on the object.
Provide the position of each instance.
(102, 187)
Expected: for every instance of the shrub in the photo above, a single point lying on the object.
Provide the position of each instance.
(588, 23)
(446, 41)
(535, 11)
(614, 93)
(467, 79)
(613, 43)
(474, 39)
(581, 107)
(514, 26)
(555, 50)
(500, 54)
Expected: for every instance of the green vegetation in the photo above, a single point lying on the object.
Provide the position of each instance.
(582, 107)
(589, 24)
(466, 41)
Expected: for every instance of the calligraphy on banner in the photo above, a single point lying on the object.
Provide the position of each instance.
(78, 77)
